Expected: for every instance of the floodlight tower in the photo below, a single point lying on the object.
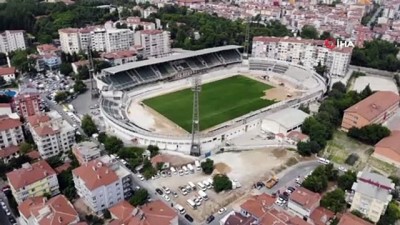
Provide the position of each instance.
(247, 39)
(91, 69)
(196, 88)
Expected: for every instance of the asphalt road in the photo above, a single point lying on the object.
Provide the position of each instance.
(373, 18)
(3, 217)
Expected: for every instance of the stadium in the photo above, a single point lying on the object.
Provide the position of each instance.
(151, 102)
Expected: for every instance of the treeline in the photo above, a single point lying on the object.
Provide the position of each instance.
(185, 24)
(378, 54)
(320, 127)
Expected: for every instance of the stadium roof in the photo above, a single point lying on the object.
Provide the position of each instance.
(133, 65)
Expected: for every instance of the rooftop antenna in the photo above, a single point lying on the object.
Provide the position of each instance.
(196, 88)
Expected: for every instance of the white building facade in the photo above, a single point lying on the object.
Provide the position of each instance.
(10, 131)
(304, 52)
(12, 40)
(155, 43)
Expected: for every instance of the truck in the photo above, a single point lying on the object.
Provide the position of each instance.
(203, 195)
(190, 167)
(271, 182)
(197, 164)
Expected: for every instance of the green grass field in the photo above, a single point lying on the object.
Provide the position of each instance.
(220, 101)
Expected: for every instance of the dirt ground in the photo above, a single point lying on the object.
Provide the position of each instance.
(247, 167)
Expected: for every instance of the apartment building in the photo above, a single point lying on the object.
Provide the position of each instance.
(86, 151)
(152, 213)
(33, 180)
(10, 131)
(155, 43)
(12, 40)
(303, 202)
(377, 108)
(101, 39)
(27, 103)
(8, 73)
(51, 133)
(306, 52)
(40, 211)
(102, 183)
(372, 194)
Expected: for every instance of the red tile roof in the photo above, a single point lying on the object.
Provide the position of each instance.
(24, 176)
(7, 71)
(95, 174)
(7, 123)
(320, 216)
(33, 154)
(350, 219)
(122, 211)
(63, 167)
(151, 32)
(374, 105)
(60, 210)
(5, 105)
(257, 205)
(306, 198)
(35, 120)
(391, 142)
(7, 151)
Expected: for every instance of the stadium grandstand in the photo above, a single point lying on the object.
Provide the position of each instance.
(130, 75)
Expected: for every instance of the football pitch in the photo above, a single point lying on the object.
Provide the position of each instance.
(219, 102)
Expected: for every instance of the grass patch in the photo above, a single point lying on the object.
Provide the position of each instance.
(381, 166)
(220, 101)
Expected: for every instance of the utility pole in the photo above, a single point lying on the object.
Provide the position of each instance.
(196, 88)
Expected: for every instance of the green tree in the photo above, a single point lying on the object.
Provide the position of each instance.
(154, 150)
(66, 68)
(309, 32)
(316, 183)
(2, 81)
(369, 134)
(79, 86)
(222, 182)
(25, 147)
(320, 69)
(208, 166)
(325, 35)
(391, 215)
(334, 200)
(54, 161)
(89, 126)
(113, 144)
(102, 137)
(83, 72)
(345, 181)
(106, 214)
(139, 197)
(61, 96)
(19, 59)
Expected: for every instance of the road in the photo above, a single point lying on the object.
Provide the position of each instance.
(3, 217)
(373, 18)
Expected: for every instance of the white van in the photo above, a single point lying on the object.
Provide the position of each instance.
(192, 185)
(191, 203)
(173, 170)
(206, 184)
(203, 195)
(210, 181)
(185, 170)
(197, 164)
(201, 186)
(180, 209)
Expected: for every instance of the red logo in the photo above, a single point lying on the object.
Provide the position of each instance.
(330, 43)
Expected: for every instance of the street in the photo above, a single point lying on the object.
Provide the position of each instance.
(373, 18)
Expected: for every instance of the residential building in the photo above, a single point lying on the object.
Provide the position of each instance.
(322, 216)
(101, 39)
(120, 57)
(33, 180)
(5, 109)
(27, 103)
(152, 213)
(51, 133)
(12, 40)
(136, 23)
(7, 73)
(10, 131)
(377, 108)
(46, 49)
(41, 211)
(102, 183)
(372, 194)
(86, 151)
(388, 149)
(350, 219)
(156, 43)
(303, 202)
(306, 52)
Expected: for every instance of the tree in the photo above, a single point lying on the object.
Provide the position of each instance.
(66, 68)
(19, 59)
(325, 35)
(79, 86)
(102, 137)
(113, 144)
(106, 214)
(369, 134)
(2, 81)
(25, 147)
(309, 32)
(339, 86)
(334, 200)
(61, 96)
(54, 161)
(366, 92)
(345, 181)
(391, 215)
(304, 108)
(139, 197)
(320, 69)
(89, 126)
(316, 183)
(222, 182)
(83, 72)
(208, 166)
(153, 150)
(308, 148)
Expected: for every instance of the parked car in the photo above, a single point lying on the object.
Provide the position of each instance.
(210, 219)
(140, 176)
(189, 218)
(175, 194)
(166, 198)
(221, 210)
(158, 190)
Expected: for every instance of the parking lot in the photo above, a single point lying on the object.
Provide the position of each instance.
(245, 168)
